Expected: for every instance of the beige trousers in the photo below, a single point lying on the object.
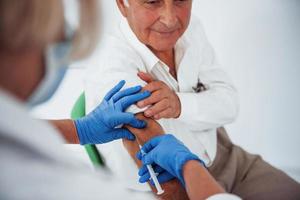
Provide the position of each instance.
(248, 176)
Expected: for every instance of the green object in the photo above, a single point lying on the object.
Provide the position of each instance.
(77, 112)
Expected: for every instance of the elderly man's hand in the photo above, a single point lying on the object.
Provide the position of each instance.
(164, 102)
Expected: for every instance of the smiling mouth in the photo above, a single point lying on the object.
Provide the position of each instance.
(165, 33)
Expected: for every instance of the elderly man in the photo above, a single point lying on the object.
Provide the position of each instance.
(161, 46)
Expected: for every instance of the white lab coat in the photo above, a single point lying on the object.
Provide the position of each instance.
(122, 55)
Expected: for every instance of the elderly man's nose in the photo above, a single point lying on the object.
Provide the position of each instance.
(168, 17)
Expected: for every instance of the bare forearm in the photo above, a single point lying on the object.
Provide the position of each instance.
(173, 189)
(67, 129)
(199, 183)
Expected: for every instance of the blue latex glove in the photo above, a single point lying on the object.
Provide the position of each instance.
(167, 152)
(163, 175)
(101, 125)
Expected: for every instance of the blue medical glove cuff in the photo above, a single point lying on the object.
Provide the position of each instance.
(81, 128)
(182, 160)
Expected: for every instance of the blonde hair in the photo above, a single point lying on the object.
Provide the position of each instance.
(28, 24)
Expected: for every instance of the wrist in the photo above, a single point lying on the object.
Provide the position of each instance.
(190, 165)
(183, 160)
(76, 137)
(197, 176)
(81, 129)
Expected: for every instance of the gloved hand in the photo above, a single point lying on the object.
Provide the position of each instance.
(167, 152)
(163, 175)
(101, 125)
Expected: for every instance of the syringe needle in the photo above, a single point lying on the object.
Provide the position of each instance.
(153, 176)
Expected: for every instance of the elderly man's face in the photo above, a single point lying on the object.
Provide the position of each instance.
(158, 23)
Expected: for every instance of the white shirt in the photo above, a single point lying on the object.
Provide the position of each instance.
(122, 55)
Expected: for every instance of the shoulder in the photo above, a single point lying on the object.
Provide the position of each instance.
(197, 43)
(195, 32)
(114, 52)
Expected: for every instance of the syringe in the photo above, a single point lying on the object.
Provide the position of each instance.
(153, 176)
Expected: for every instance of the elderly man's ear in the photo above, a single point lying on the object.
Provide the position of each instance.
(122, 5)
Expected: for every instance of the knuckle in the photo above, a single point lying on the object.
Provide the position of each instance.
(158, 84)
(151, 110)
(153, 85)
(148, 87)
(153, 100)
(124, 101)
(156, 97)
(166, 103)
(161, 83)
(147, 101)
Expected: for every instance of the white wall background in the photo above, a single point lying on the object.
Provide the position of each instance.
(258, 43)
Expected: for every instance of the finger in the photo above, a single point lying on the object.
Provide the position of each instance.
(144, 178)
(149, 146)
(127, 101)
(126, 118)
(114, 90)
(139, 124)
(157, 108)
(152, 143)
(133, 121)
(143, 170)
(157, 169)
(122, 133)
(145, 175)
(149, 158)
(145, 77)
(163, 177)
(154, 85)
(139, 155)
(126, 92)
(167, 113)
(154, 98)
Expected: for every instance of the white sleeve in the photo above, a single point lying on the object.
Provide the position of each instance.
(106, 69)
(218, 104)
(224, 197)
(213, 108)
